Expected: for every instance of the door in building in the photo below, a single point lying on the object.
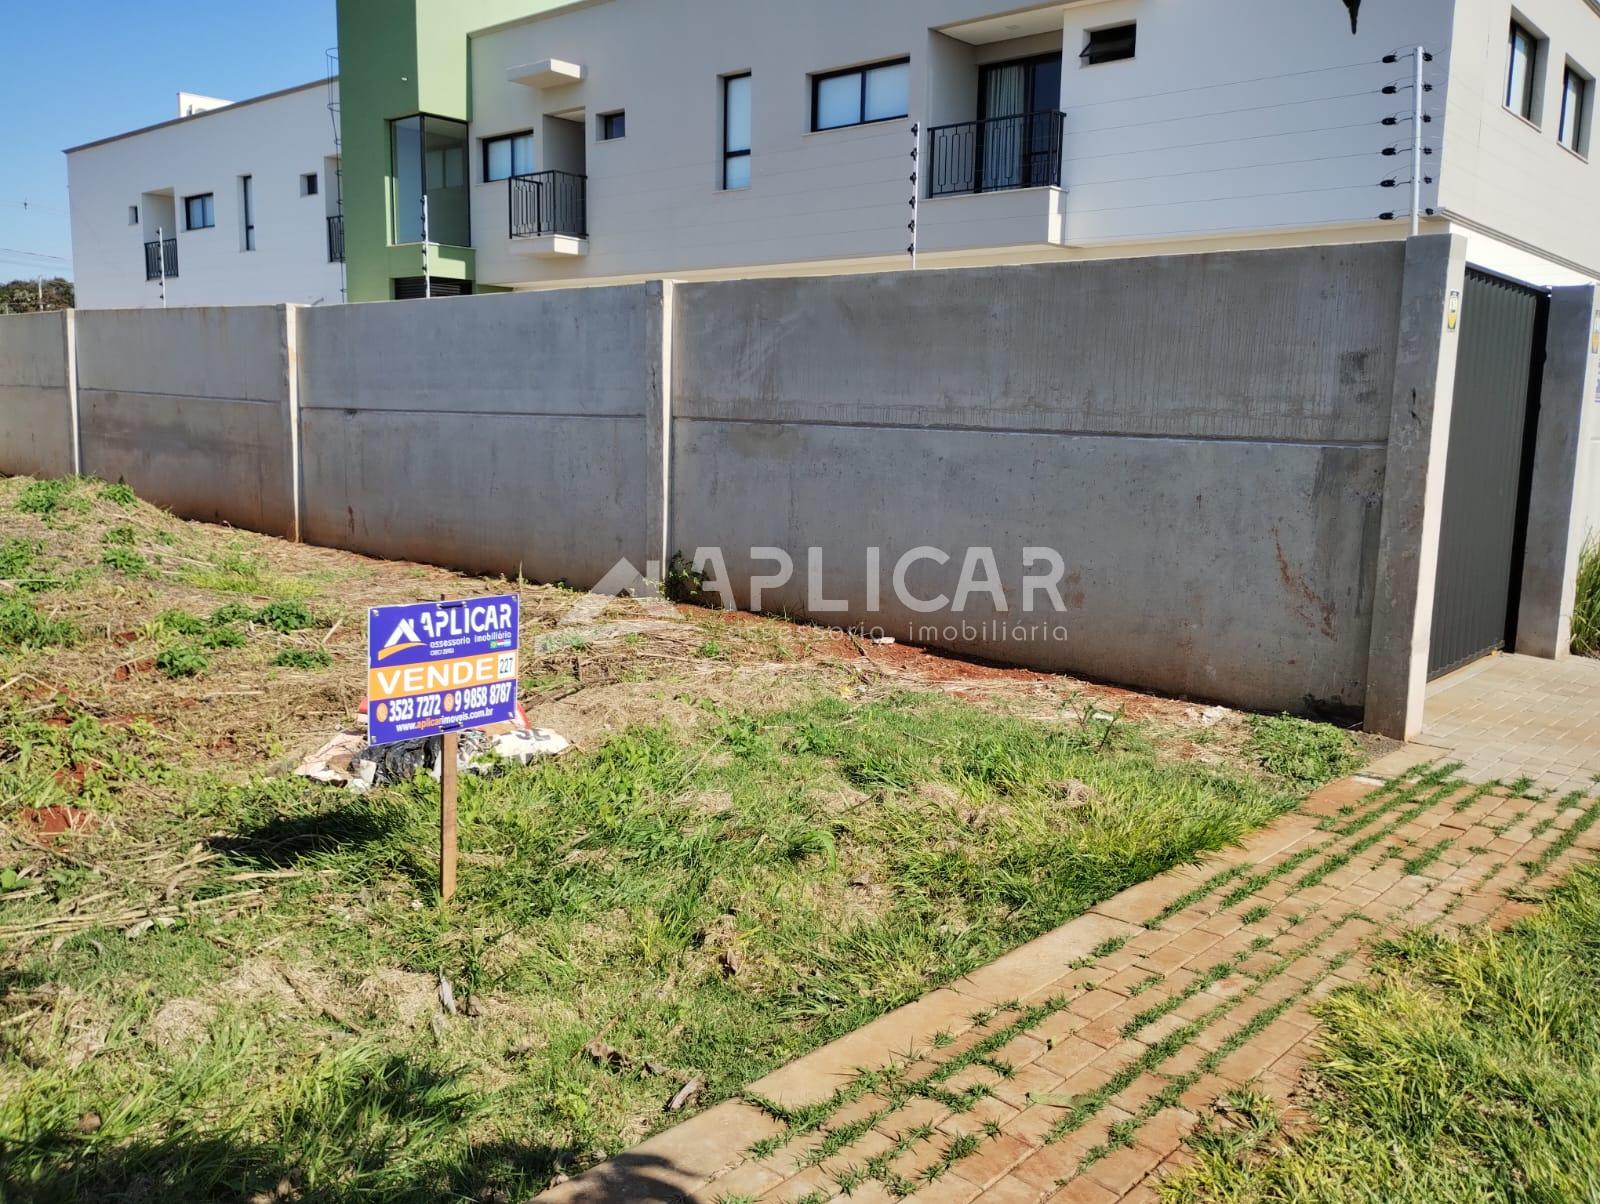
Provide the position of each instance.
(1017, 103)
(1487, 469)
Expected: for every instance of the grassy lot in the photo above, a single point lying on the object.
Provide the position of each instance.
(1467, 1070)
(231, 986)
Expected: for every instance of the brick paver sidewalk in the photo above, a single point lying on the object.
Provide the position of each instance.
(1072, 1068)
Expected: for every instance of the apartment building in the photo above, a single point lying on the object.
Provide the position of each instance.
(229, 203)
(617, 140)
(522, 144)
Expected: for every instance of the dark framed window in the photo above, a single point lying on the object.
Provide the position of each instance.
(613, 126)
(247, 211)
(308, 184)
(1110, 45)
(508, 155)
(133, 215)
(1522, 71)
(861, 95)
(1575, 87)
(736, 130)
(199, 212)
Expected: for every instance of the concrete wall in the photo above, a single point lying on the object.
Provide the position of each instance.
(36, 418)
(193, 408)
(1202, 439)
(499, 434)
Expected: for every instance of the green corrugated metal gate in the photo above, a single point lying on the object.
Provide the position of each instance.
(1487, 469)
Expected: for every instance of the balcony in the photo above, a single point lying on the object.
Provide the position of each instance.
(336, 238)
(548, 213)
(996, 155)
(161, 259)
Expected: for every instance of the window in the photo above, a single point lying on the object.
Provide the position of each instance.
(308, 184)
(508, 155)
(860, 95)
(133, 215)
(613, 126)
(247, 209)
(1575, 111)
(199, 212)
(736, 131)
(1109, 45)
(429, 163)
(1522, 73)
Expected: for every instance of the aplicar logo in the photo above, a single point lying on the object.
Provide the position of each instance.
(403, 631)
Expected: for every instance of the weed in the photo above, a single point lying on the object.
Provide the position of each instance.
(231, 612)
(710, 649)
(1586, 603)
(224, 636)
(684, 583)
(285, 616)
(118, 494)
(47, 497)
(1468, 1069)
(179, 622)
(182, 660)
(302, 658)
(22, 627)
(125, 560)
(17, 557)
(120, 537)
(1259, 912)
(1301, 751)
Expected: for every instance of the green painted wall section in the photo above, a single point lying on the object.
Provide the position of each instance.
(398, 57)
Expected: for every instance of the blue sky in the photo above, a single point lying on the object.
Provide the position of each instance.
(78, 70)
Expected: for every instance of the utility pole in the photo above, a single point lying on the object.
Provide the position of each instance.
(39, 280)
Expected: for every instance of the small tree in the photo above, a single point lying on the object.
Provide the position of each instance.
(25, 296)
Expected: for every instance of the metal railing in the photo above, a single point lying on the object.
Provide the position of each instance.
(996, 154)
(548, 202)
(336, 238)
(155, 253)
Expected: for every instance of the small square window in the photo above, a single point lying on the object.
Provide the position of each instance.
(1109, 45)
(133, 215)
(308, 184)
(613, 126)
(199, 212)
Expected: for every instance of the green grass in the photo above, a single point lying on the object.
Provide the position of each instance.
(302, 658)
(1586, 604)
(1468, 1069)
(182, 660)
(599, 894)
(23, 627)
(1302, 751)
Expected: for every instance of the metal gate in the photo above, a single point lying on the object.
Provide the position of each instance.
(1487, 469)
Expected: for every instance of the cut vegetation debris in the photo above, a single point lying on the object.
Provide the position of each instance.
(229, 982)
(1467, 1070)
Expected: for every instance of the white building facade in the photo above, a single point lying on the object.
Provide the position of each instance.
(616, 140)
(228, 204)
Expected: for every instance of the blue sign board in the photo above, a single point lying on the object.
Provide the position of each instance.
(436, 667)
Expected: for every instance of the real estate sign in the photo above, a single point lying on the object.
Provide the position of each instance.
(438, 667)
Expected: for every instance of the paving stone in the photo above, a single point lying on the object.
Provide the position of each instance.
(1121, 1169)
(1034, 966)
(949, 1188)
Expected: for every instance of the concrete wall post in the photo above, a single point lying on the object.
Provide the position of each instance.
(1413, 492)
(289, 331)
(1558, 504)
(69, 320)
(658, 434)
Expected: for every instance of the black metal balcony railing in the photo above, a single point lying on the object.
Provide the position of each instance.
(999, 153)
(336, 238)
(155, 253)
(548, 202)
